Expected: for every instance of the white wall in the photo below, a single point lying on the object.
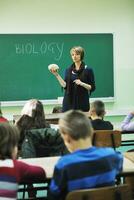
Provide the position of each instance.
(81, 16)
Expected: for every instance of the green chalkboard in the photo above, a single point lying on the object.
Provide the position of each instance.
(24, 60)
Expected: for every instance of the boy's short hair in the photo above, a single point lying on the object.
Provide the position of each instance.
(57, 109)
(9, 137)
(79, 50)
(99, 107)
(76, 124)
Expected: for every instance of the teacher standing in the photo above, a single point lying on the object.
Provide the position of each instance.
(78, 82)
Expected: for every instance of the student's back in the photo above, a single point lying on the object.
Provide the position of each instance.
(97, 113)
(12, 171)
(87, 166)
(100, 124)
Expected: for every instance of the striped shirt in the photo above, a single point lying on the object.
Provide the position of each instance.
(82, 169)
(8, 183)
(12, 172)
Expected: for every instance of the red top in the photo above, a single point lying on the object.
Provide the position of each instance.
(13, 172)
(2, 119)
(26, 172)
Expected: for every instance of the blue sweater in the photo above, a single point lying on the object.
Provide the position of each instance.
(82, 169)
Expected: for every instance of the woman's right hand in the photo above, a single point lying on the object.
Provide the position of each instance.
(54, 72)
(53, 68)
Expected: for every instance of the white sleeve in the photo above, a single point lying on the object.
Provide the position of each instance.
(127, 124)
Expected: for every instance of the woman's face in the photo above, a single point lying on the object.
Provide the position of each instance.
(75, 56)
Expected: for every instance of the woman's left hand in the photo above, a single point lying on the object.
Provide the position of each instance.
(78, 82)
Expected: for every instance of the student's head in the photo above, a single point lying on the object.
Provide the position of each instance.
(9, 137)
(32, 115)
(33, 108)
(57, 109)
(97, 108)
(78, 51)
(74, 125)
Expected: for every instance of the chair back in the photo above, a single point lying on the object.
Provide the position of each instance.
(120, 192)
(107, 138)
(130, 181)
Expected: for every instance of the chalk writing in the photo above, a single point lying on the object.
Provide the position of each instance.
(56, 50)
(53, 48)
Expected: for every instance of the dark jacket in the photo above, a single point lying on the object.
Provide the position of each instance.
(42, 143)
(99, 124)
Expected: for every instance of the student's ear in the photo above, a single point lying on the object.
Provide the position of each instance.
(67, 138)
(69, 143)
(93, 112)
(90, 112)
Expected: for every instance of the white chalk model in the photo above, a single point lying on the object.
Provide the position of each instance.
(53, 67)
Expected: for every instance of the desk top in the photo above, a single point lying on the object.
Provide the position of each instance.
(128, 166)
(129, 155)
(52, 118)
(48, 163)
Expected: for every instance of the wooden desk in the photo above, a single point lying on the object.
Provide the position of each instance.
(48, 164)
(51, 118)
(128, 167)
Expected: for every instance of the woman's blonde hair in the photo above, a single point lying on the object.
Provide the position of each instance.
(79, 50)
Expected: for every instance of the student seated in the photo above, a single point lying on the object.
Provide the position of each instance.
(97, 113)
(32, 117)
(86, 166)
(12, 171)
(38, 139)
(128, 124)
(2, 119)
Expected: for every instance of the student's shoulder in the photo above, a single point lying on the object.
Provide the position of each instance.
(109, 151)
(107, 121)
(114, 154)
(109, 124)
(66, 160)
